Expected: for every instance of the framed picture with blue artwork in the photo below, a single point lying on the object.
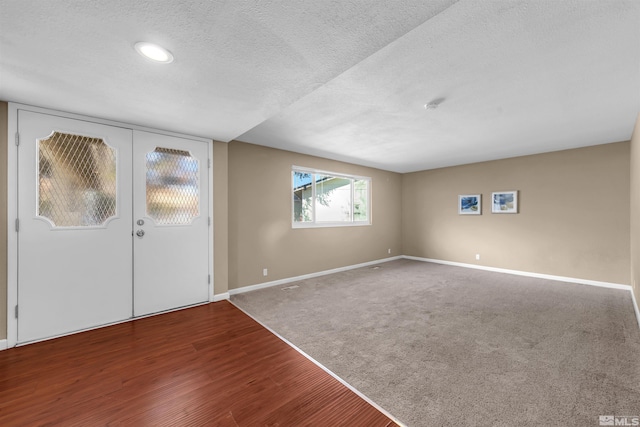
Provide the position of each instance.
(470, 204)
(504, 202)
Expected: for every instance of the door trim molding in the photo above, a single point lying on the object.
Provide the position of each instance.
(221, 297)
(211, 228)
(12, 202)
(12, 235)
(17, 106)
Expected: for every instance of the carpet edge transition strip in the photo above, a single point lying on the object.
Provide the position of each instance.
(324, 368)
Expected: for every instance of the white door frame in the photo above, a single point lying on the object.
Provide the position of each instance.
(12, 202)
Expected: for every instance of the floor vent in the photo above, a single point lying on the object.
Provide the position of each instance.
(288, 288)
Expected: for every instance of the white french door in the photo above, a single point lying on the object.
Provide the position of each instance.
(171, 243)
(74, 258)
(113, 223)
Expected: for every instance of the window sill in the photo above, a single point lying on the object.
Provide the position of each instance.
(329, 224)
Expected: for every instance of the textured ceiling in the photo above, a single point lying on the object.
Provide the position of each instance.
(347, 79)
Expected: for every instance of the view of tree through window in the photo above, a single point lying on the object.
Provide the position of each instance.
(361, 200)
(321, 198)
(302, 197)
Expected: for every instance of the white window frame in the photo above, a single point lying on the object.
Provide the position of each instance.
(313, 223)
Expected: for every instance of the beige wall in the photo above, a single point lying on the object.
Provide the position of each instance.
(260, 232)
(4, 120)
(575, 216)
(220, 217)
(573, 220)
(635, 210)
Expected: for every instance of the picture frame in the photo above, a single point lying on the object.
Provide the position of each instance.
(470, 204)
(504, 202)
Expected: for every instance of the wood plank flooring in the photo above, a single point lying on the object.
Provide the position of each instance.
(209, 365)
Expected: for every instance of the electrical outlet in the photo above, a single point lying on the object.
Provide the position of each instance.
(265, 271)
(477, 256)
(389, 251)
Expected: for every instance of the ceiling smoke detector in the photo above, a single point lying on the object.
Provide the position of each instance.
(154, 52)
(434, 104)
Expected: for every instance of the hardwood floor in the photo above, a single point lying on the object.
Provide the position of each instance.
(208, 365)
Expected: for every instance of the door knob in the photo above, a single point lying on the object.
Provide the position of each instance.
(140, 233)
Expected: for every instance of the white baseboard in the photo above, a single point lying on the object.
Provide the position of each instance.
(524, 273)
(221, 297)
(539, 276)
(3, 345)
(307, 276)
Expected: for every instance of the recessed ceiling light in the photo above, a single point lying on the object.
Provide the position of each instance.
(154, 52)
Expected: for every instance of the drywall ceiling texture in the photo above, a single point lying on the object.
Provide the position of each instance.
(517, 78)
(343, 79)
(236, 62)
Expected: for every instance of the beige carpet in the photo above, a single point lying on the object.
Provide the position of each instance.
(437, 345)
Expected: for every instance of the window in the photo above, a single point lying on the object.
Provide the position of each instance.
(327, 199)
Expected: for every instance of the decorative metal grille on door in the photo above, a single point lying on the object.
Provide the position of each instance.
(76, 180)
(173, 182)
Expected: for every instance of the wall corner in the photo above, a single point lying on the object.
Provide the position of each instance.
(635, 210)
(220, 164)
